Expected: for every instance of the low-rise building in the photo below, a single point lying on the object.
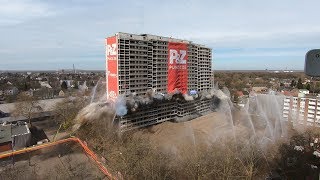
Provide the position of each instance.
(45, 84)
(261, 89)
(68, 82)
(14, 136)
(61, 93)
(11, 91)
(28, 93)
(84, 86)
(44, 110)
(301, 110)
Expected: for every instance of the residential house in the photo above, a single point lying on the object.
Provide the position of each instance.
(45, 84)
(61, 94)
(84, 86)
(68, 82)
(14, 136)
(260, 89)
(11, 91)
(28, 93)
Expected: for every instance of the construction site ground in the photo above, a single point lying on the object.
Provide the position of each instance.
(203, 130)
(62, 161)
(216, 127)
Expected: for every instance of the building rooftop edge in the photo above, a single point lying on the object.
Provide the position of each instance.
(157, 37)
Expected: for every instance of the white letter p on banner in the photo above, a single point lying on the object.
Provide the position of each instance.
(173, 56)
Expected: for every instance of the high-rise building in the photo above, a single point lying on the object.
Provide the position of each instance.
(140, 63)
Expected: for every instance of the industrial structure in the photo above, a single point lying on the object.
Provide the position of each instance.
(136, 64)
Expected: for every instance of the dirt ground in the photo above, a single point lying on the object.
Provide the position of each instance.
(203, 130)
(64, 161)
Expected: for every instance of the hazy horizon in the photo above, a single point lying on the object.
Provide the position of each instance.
(246, 35)
(220, 70)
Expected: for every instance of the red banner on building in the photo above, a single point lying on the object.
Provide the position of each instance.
(177, 67)
(112, 68)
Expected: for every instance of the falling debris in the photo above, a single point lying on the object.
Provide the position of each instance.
(96, 111)
(120, 105)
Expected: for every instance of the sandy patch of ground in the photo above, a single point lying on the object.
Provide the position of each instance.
(173, 136)
(205, 130)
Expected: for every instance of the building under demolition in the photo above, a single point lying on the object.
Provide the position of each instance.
(160, 78)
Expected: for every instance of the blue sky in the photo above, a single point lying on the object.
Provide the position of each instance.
(245, 35)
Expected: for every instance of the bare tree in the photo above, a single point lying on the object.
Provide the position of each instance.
(66, 111)
(27, 106)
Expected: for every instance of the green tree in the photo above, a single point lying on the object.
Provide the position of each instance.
(64, 85)
(308, 86)
(299, 84)
(28, 78)
(293, 83)
(227, 82)
(76, 86)
(25, 86)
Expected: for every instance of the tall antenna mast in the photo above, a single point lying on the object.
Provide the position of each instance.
(74, 70)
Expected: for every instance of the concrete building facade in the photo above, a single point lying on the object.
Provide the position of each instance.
(140, 63)
(302, 111)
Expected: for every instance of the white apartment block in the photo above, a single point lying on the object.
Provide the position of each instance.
(302, 111)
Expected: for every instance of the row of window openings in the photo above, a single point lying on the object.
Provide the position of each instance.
(160, 43)
(133, 55)
(146, 47)
(133, 58)
(153, 80)
(134, 81)
(163, 58)
(127, 47)
(162, 67)
(136, 122)
(159, 73)
(126, 78)
(160, 62)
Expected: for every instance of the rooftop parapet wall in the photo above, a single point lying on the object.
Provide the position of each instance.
(149, 37)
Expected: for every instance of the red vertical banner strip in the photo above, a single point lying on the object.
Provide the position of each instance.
(112, 68)
(177, 67)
